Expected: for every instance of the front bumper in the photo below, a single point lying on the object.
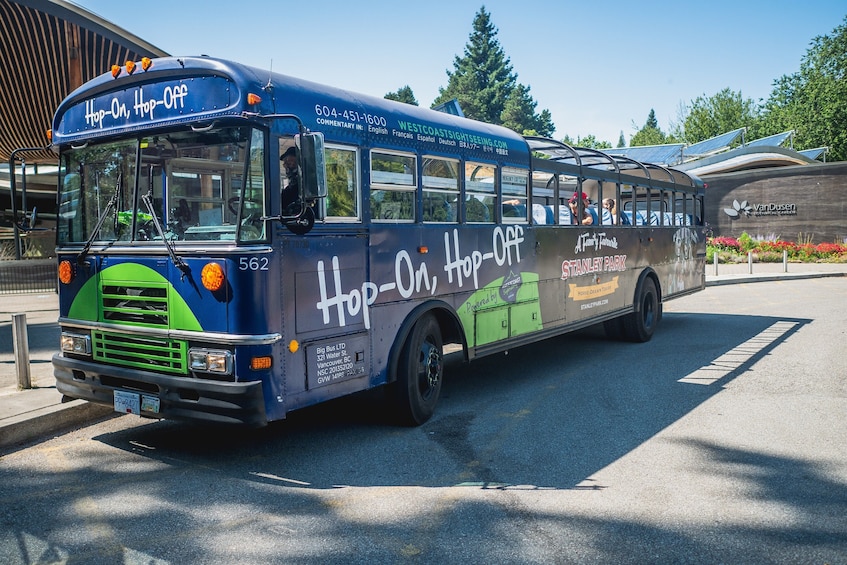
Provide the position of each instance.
(182, 398)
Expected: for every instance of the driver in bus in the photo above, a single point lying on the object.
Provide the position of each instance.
(587, 218)
(291, 192)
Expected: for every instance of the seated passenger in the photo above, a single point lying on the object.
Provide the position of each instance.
(609, 204)
(587, 217)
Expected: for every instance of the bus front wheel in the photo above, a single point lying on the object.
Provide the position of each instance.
(640, 325)
(420, 371)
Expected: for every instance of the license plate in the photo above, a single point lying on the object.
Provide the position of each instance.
(127, 402)
(134, 403)
(150, 403)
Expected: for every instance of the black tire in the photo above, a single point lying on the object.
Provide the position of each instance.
(640, 325)
(614, 328)
(420, 371)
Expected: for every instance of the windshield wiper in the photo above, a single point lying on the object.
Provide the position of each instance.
(113, 203)
(177, 261)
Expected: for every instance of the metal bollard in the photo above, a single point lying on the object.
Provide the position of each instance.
(784, 260)
(750, 262)
(20, 343)
(716, 263)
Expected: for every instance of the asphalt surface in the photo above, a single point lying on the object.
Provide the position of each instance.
(37, 412)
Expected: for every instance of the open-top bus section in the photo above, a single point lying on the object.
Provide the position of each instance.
(235, 244)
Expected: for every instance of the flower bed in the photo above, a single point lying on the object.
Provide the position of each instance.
(731, 250)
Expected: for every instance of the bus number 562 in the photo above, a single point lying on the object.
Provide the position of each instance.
(253, 264)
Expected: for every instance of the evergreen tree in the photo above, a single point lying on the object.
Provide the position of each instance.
(404, 94)
(621, 141)
(650, 134)
(486, 87)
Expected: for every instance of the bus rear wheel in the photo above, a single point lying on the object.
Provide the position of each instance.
(420, 371)
(640, 325)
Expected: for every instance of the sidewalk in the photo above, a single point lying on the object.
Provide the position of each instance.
(29, 414)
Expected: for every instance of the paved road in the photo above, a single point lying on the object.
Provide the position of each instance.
(720, 441)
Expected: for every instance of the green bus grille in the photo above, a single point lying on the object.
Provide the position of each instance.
(135, 304)
(143, 352)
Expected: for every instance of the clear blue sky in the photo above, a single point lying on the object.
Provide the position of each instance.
(598, 67)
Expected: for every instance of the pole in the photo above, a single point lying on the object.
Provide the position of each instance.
(716, 263)
(750, 262)
(21, 346)
(784, 260)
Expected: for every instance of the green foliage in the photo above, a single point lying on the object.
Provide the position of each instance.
(650, 134)
(717, 114)
(813, 101)
(486, 87)
(591, 142)
(746, 242)
(404, 94)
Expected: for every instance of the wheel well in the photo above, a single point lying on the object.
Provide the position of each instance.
(448, 324)
(651, 274)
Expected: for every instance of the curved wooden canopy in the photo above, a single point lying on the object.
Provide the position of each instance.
(47, 49)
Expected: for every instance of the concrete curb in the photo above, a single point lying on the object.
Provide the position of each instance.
(765, 277)
(40, 422)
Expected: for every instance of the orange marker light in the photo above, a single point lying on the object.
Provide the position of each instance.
(146, 63)
(253, 99)
(260, 363)
(116, 70)
(130, 67)
(212, 276)
(66, 272)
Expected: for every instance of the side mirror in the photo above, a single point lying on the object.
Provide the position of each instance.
(314, 165)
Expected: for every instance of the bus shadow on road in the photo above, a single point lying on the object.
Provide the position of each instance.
(547, 415)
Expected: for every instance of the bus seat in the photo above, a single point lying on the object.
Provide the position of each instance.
(593, 211)
(607, 217)
(626, 218)
(564, 215)
(539, 215)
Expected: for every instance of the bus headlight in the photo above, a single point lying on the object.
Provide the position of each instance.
(210, 361)
(76, 343)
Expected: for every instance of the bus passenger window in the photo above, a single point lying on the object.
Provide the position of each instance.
(514, 187)
(393, 186)
(440, 179)
(342, 179)
(480, 192)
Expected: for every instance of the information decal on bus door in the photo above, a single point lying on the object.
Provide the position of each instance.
(335, 360)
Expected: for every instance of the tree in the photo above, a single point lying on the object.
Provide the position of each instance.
(813, 101)
(650, 134)
(404, 94)
(519, 114)
(487, 89)
(621, 141)
(591, 142)
(717, 114)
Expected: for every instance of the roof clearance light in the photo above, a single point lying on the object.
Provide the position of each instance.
(49, 134)
(66, 272)
(130, 67)
(116, 70)
(146, 63)
(253, 99)
(212, 276)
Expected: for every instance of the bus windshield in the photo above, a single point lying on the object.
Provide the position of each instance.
(205, 185)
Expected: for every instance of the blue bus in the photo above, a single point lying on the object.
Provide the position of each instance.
(235, 244)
